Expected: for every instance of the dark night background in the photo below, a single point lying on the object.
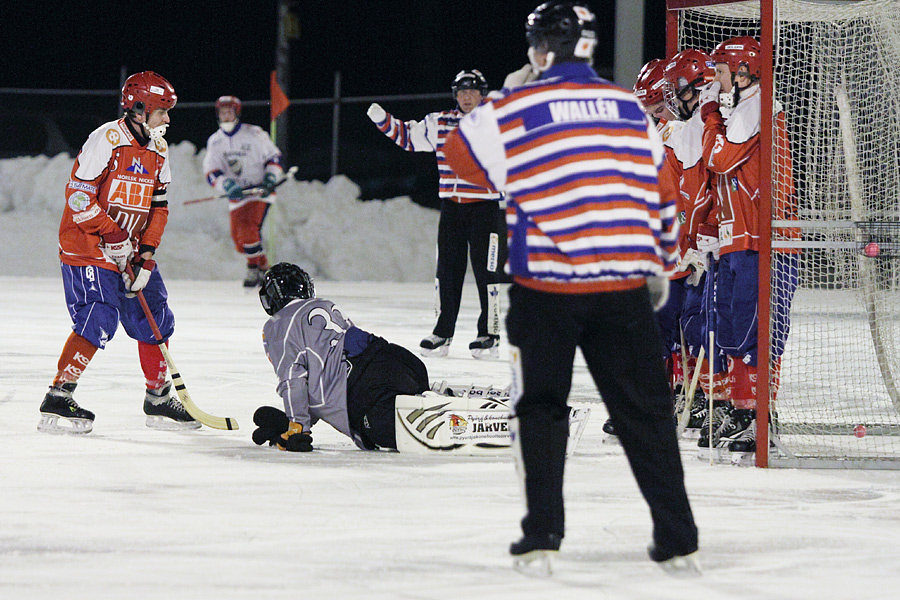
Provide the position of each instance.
(207, 49)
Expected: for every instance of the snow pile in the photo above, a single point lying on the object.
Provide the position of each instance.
(321, 226)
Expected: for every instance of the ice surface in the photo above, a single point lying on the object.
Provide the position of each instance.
(129, 512)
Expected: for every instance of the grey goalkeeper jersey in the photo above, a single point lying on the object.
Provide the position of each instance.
(305, 343)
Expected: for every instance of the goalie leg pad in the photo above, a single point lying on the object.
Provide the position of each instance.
(473, 423)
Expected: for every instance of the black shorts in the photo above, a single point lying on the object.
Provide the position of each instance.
(377, 375)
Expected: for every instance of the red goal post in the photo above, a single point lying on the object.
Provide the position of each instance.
(829, 67)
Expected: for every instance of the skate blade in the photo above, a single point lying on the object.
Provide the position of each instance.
(167, 424)
(486, 353)
(537, 563)
(717, 455)
(682, 566)
(56, 425)
(743, 459)
(437, 352)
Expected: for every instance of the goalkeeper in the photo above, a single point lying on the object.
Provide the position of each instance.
(328, 369)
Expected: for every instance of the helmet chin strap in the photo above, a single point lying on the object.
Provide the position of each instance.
(532, 58)
(156, 133)
(228, 126)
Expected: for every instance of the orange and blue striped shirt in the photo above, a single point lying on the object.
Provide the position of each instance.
(579, 162)
(429, 135)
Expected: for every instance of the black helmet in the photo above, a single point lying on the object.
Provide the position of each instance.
(284, 282)
(470, 80)
(567, 29)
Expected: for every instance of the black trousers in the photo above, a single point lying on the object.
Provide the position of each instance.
(377, 375)
(618, 336)
(466, 229)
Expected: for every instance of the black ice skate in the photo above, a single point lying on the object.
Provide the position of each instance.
(678, 565)
(609, 433)
(61, 414)
(739, 421)
(486, 346)
(721, 417)
(435, 345)
(534, 553)
(699, 409)
(165, 411)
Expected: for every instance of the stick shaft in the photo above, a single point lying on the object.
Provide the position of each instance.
(180, 389)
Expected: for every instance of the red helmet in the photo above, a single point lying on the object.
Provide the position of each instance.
(650, 83)
(230, 101)
(147, 91)
(688, 70)
(740, 51)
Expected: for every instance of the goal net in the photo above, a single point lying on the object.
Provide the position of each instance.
(837, 337)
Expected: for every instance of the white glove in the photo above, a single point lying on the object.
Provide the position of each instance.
(658, 286)
(520, 77)
(117, 249)
(695, 263)
(707, 244)
(710, 94)
(376, 113)
(141, 269)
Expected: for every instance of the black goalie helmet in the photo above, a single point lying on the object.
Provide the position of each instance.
(471, 79)
(284, 282)
(567, 29)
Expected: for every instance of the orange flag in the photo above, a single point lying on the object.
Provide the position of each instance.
(279, 102)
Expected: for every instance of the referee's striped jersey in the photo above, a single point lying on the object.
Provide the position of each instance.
(579, 161)
(429, 135)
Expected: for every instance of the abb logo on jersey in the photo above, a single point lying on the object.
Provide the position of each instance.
(130, 193)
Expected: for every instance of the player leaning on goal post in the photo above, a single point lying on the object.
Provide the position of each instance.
(114, 218)
(541, 144)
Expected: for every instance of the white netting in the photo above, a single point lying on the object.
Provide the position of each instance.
(833, 75)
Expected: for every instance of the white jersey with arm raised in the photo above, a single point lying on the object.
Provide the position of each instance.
(305, 344)
(429, 135)
(244, 155)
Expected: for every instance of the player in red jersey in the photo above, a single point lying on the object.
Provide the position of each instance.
(114, 218)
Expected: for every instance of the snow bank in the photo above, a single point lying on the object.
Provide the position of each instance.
(321, 226)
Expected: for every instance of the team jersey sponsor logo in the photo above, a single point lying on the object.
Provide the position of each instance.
(136, 167)
(112, 136)
(235, 165)
(87, 215)
(84, 187)
(726, 235)
(130, 193)
(79, 201)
